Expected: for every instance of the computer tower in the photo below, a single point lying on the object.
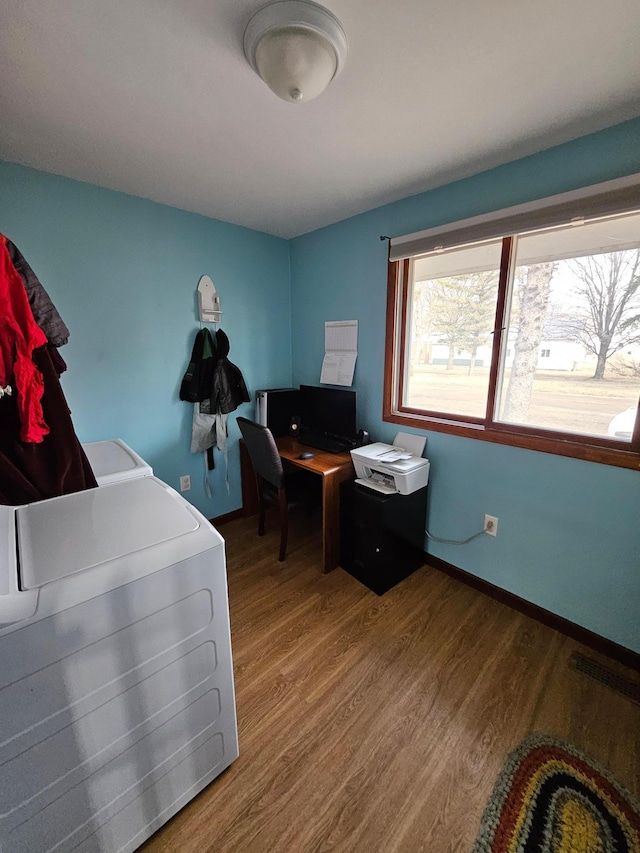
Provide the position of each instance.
(275, 408)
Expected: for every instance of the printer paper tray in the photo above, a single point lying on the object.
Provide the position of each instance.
(378, 487)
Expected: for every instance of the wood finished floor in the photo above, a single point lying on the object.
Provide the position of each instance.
(373, 723)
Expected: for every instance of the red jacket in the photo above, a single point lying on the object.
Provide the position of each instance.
(19, 336)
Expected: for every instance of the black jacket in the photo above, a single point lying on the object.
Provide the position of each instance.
(211, 379)
(228, 387)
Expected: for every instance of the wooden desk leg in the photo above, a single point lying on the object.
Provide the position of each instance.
(331, 517)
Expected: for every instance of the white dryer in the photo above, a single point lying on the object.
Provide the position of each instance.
(113, 461)
(116, 682)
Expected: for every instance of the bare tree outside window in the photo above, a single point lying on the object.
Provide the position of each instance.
(533, 296)
(481, 307)
(610, 286)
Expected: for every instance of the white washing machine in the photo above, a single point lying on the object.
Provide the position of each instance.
(113, 461)
(116, 682)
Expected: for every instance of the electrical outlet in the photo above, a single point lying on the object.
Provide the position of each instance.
(185, 483)
(491, 525)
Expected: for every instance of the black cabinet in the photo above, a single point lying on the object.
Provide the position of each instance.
(382, 536)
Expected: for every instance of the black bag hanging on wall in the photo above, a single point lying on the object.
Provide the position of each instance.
(197, 381)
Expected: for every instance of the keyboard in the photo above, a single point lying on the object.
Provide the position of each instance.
(323, 442)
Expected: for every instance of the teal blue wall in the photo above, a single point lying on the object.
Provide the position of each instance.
(123, 273)
(569, 531)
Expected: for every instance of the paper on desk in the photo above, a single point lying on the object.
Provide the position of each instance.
(340, 352)
(413, 444)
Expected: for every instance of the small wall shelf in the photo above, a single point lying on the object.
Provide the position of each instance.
(208, 301)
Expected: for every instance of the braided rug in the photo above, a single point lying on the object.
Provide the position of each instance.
(550, 798)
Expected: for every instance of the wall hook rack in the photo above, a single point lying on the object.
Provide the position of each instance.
(208, 301)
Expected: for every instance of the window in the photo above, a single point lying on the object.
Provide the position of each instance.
(529, 338)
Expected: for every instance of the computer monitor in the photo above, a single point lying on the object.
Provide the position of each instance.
(328, 411)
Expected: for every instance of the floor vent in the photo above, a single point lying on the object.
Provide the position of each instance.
(588, 666)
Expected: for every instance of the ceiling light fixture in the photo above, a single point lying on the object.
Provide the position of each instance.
(297, 47)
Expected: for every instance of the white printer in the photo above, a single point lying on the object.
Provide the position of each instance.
(389, 469)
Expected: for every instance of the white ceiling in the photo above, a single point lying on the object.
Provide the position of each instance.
(156, 99)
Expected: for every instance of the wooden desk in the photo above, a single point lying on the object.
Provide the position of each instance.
(332, 467)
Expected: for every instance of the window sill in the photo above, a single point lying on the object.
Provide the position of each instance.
(616, 456)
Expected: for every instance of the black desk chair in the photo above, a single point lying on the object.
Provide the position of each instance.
(274, 484)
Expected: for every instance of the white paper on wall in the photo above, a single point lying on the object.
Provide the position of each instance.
(340, 352)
